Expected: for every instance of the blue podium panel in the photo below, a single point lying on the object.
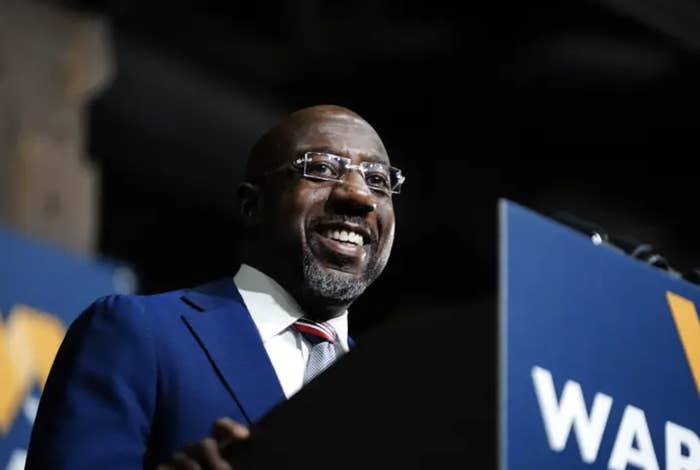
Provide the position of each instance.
(42, 290)
(600, 354)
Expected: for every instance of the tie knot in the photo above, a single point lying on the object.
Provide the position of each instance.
(316, 332)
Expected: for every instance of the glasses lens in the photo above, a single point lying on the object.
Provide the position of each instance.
(397, 180)
(377, 177)
(323, 166)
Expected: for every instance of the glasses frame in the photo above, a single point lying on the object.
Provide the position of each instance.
(302, 162)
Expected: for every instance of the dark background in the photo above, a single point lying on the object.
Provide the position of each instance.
(584, 106)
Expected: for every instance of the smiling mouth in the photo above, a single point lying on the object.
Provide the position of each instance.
(341, 244)
(345, 236)
(355, 233)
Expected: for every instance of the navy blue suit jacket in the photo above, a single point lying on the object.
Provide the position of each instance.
(138, 378)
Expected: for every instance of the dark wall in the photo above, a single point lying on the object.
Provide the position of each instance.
(558, 105)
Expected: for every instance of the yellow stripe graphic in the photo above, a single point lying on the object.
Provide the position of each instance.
(686, 318)
(29, 339)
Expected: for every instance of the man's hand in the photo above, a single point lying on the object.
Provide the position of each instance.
(213, 452)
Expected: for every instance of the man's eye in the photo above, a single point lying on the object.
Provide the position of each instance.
(321, 169)
(377, 181)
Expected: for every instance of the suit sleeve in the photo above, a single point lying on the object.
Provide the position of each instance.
(99, 399)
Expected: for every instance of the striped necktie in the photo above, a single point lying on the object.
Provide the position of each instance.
(324, 351)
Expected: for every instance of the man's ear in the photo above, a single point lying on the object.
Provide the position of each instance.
(249, 204)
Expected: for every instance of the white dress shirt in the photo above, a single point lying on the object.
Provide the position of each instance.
(274, 311)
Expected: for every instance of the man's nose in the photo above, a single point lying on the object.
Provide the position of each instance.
(352, 195)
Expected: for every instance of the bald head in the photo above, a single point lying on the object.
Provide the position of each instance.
(328, 126)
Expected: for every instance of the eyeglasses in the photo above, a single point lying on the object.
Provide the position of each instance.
(328, 167)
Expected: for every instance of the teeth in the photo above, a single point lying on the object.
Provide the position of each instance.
(345, 236)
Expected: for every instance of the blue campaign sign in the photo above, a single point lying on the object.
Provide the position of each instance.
(600, 354)
(42, 290)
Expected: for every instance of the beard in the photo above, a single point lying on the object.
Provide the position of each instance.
(334, 286)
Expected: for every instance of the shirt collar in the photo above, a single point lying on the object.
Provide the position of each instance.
(273, 309)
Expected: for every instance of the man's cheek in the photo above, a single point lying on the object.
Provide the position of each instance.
(387, 244)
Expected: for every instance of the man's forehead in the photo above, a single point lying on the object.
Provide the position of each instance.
(342, 134)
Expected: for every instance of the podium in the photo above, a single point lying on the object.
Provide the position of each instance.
(595, 364)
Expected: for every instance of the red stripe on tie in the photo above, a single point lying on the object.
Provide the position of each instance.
(320, 330)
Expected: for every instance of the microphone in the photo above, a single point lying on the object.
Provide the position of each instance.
(599, 236)
(634, 248)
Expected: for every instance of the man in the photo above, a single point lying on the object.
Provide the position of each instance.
(140, 378)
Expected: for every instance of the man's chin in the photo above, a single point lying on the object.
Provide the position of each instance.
(334, 269)
(336, 283)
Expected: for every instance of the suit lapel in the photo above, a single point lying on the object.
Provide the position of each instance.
(220, 322)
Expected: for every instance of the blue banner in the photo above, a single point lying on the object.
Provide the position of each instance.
(42, 289)
(600, 354)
